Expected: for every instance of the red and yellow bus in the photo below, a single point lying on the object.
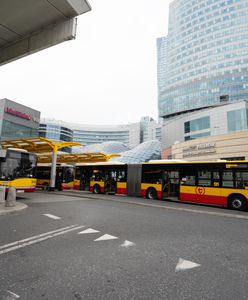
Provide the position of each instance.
(103, 177)
(17, 169)
(64, 176)
(219, 183)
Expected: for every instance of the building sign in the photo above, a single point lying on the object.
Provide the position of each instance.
(19, 114)
(200, 149)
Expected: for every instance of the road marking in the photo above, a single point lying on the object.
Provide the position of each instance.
(89, 230)
(52, 216)
(127, 244)
(197, 211)
(106, 237)
(36, 236)
(185, 265)
(8, 295)
(34, 241)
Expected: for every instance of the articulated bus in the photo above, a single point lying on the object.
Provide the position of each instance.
(101, 178)
(220, 183)
(17, 169)
(64, 176)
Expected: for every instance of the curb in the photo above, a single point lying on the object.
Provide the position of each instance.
(9, 210)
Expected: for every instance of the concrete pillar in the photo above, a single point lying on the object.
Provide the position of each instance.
(11, 197)
(2, 194)
(53, 171)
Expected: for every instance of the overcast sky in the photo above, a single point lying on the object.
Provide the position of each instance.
(106, 76)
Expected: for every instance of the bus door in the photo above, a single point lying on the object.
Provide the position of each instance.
(85, 175)
(111, 181)
(171, 184)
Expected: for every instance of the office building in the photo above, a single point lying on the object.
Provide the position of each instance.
(204, 59)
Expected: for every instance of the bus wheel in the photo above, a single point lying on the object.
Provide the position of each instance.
(237, 202)
(152, 193)
(96, 189)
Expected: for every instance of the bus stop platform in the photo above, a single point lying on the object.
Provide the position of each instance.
(8, 210)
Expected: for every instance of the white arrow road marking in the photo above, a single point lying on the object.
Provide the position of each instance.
(89, 230)
(8, 295)
(106, 237)
(127, 244)
(52, 216)
(18, 246)
(185, 265)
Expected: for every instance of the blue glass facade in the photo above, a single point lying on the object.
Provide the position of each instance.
(204, 59)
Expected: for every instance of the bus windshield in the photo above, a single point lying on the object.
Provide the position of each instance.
(18, 165)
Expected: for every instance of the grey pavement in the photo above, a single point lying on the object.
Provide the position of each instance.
(8, 210)
(177, 251)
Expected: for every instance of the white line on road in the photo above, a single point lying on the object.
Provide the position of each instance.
(39, 240)
(197, 211)
(8, 295)
(185, 265)
(52, 216)
(35, 237)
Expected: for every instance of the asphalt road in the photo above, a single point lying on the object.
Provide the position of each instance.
(91, 247)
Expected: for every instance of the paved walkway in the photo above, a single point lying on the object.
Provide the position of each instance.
(8, 210)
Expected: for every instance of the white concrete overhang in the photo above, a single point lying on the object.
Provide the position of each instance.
(27, 26)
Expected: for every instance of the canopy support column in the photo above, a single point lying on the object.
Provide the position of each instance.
(53, 170)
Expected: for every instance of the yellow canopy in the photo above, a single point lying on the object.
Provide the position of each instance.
(76, 158)
(37, 145)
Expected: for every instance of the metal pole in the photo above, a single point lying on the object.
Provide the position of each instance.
(53, 170)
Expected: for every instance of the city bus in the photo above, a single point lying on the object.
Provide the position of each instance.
(17, 169)
(64, 176)
(218, 183)
(102, 177)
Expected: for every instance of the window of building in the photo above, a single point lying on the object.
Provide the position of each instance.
(197, 124)
(237, 120)
(11, 131)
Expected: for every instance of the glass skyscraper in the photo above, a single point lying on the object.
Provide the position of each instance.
(204, 59)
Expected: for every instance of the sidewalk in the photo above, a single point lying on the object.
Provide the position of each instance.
(8, 210)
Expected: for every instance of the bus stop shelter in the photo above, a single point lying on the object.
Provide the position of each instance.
(47, 152)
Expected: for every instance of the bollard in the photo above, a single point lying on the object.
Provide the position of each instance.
(11, 197)
(2, 194)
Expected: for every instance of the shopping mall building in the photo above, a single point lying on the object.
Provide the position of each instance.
(18, 121)
(131, 134)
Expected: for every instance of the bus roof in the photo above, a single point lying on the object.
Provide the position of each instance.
(196, 162)
(107, 163)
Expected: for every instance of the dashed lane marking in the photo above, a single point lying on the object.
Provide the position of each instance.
(33, 240)
(52, 216)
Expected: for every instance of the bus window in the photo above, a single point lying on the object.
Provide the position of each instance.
(204, 178)
(241, 179)
(122, 177)
(216, 179)
(152, 176)
(98, 175)
(68, 174)
(189, 180)
(227, 179)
